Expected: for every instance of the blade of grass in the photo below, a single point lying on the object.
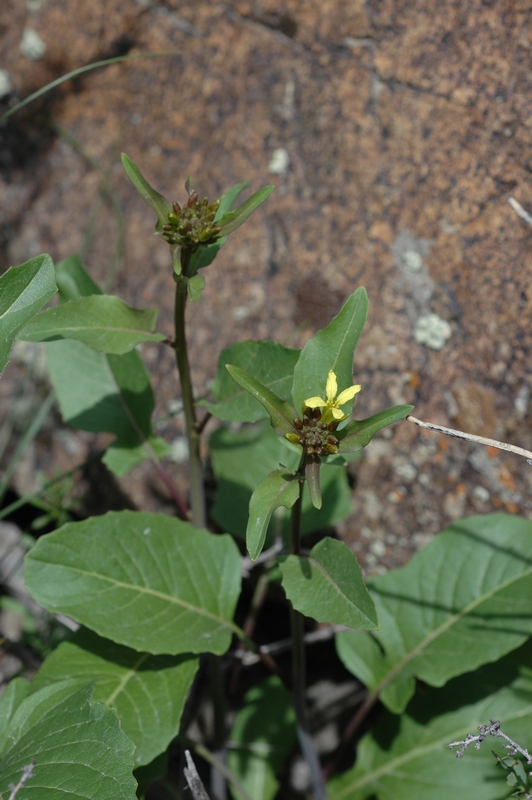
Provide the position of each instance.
(80, 71)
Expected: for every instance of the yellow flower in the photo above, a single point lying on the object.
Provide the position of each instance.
(332, 405)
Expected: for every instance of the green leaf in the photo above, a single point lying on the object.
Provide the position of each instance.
(312, 476)
(156, 201)
(281, 414)
(241, 460)
(124, 454)
(147, 693)
(465, 600)
(234, 219)
(261, 738)
(327, 585)
(77, 747)
(73, 281)
(102, 322)
(359, 433)
(172, 588)
(99, 392)
(267, 362)
(15, 692)
(195, 286)
(279, 488)
(407, 756)
(23, 292)
(228, 199)
(332, 348)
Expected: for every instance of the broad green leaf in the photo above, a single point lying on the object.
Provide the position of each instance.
(234, 219)
(103, 322)
(407, 756)
(204, 256)
(281, 414)
(122, 455)
(465, 600)
(263, 734)
(156, 201)
(73, 280)
(279, 488)
(15, 692)
(332, 348)
(327, 585)
(147, 693)
(100, 392)
(77, 747)
(241, 460)
(23, 292)
(359, 433)
(170, 588)
(267, 362)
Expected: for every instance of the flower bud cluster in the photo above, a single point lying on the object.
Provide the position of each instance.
(192, 225)
(316, 437)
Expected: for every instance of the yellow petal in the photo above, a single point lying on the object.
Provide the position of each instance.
(332, 386)
(348, 394)
(314, 402)
(337, 414)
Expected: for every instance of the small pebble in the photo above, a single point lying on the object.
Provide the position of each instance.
(31, 45)
(279, 162)
(240, 312)
(378, 548)
(179, 450)
(522, 400)
(406, 471)
(481, 493)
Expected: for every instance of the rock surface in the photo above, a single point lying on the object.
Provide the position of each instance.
(394, 132)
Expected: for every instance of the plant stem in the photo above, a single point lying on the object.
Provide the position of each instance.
(197, 491)
(170, 485)
(299, 682)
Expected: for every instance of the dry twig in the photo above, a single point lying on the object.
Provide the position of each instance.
(493, 729)
(519, 210)
(471, 437)
(193, 779)
(27, 773)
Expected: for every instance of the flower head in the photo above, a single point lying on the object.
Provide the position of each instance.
(331, 406)
(193, 225)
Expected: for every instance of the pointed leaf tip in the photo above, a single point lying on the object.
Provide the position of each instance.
(279, 488)
(281, 414)
(359, 433)
(154, 199)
